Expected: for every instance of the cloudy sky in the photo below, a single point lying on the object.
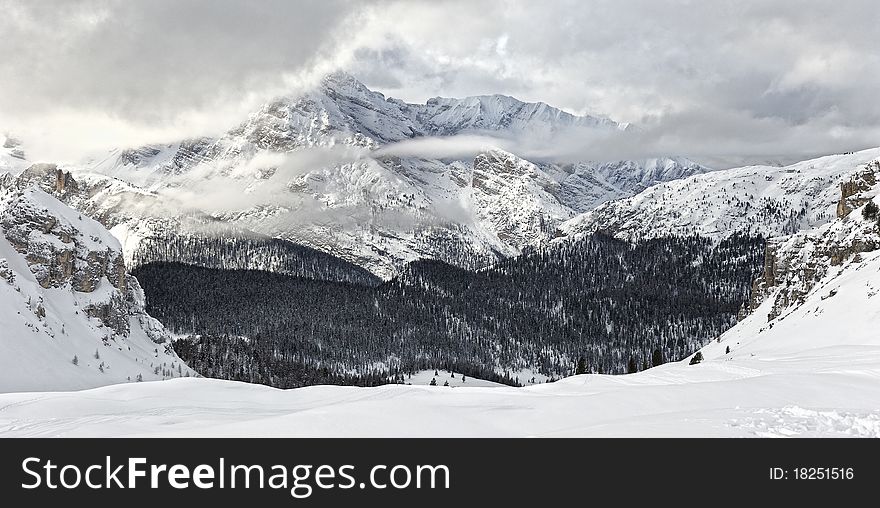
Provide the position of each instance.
(722, 81)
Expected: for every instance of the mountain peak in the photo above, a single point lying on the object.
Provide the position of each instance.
(341, 79)
(446, 116)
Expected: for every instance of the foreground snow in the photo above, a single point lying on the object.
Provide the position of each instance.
(718, 398)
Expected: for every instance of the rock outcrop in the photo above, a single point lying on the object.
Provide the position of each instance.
(63, 250)
(851, 191)
(48, 177)
(65, 294)
(56, 250)
(795, 264)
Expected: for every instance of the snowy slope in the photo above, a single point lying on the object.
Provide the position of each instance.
(64, 293)
(840, 315)
(424, 378)
(766, 200)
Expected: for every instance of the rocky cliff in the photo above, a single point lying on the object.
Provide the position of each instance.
(795, 264)
(71, 315)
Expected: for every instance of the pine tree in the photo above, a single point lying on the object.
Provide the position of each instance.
(657, 358)
(433, 382)
(727, 351)
(75, 360)
(581, 366)
(97, 356)
(632, 367)
(697, 358)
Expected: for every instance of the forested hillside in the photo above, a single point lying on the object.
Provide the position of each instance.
(251, 253)
(594, 305)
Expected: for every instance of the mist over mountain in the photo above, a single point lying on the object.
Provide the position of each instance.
(373, 180)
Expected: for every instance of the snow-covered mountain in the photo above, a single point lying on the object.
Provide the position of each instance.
(823, 247)
(765, 200)
(804, 363)
(320, 169)
(71, 316)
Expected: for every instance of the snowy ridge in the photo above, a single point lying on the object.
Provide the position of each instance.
(766, 200)
(65, 294)
(586, 185)
(445, 116)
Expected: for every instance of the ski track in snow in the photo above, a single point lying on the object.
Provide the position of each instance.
(794, 421)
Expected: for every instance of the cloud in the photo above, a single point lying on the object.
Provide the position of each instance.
(731, 79)
(753, 77)
(448, 147)
(114, 71)
(336, 187)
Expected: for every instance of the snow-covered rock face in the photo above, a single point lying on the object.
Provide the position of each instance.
(344, 195)
(586, 185)
(71, 317)
(516, 199)
(796, 266)
(57, 252)
(762, 200)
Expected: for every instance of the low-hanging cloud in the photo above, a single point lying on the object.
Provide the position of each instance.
(445, 147)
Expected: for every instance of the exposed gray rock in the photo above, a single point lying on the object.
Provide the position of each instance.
(60, 254)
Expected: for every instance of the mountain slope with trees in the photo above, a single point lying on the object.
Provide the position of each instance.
(595, 305)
